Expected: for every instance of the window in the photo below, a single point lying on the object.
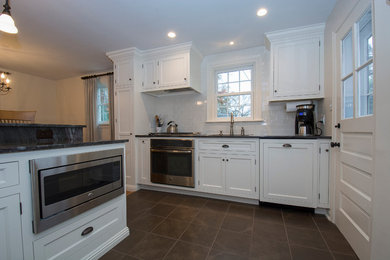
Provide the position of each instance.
(357, 69)
(234, 93)
(233, 86)
(102, 104)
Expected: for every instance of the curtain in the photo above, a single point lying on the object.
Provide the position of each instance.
(90, 93)
(111, 97)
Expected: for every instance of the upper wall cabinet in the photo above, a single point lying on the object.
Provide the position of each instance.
(124, 72)
(169, 70)
(297, 57)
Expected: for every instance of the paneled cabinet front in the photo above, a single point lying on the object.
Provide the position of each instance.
(10, 228)
(123, 73)
(166, 72)
(143, 161)
(289, 172)
(123, 111)
(228, 167)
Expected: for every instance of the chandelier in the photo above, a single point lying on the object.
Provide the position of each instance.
(4, 83)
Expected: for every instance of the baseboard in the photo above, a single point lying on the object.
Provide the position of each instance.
(130, 187)
(201, 194)
(111, 243)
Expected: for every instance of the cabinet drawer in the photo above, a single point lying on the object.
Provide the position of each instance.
(9, 174)
(228, 146)
(73, 244)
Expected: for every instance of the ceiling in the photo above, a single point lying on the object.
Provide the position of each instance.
(66, 38)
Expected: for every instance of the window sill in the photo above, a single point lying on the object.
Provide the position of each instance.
(236, 120)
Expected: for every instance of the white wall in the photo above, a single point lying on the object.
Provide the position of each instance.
(31, 93)
(381, 210)
(189, 111)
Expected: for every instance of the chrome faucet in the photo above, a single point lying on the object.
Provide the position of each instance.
(231, 124)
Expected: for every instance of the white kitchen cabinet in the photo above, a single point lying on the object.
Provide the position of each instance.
(297, 63)
(289, 172)
(143, 161)
(323, 174)
(240, 175)
(174, 69)
(11, 246)
(211, 173)
(123, 73)
(123, 111)
(228, 167)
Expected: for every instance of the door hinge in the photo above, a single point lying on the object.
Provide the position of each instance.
(115, 81)
(198, 158)
(319, 195)
(319, 150)
(319, 87)
(142, 84)
(29, 166)
(255, 161)
(115, 66)
(116, 93)
(255, 189)
(21, 208)
(142, 65)
(158, 63)
(198, 182)
(319, 43)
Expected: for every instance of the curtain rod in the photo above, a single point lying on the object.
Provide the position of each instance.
(97, 75)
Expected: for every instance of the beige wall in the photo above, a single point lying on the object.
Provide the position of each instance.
(70, 101)
(31, 93)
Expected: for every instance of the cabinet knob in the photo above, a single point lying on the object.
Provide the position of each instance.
(227, 160)
(223, 160)
(287, 146)
(275, 91)
(130, 79)
(185, 78)
(154, 82)
(143, 141)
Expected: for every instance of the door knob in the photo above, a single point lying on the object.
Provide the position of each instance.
(334, 144)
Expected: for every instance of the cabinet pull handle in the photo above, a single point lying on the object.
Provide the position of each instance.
(287, 146)
(225, 146)
(87, 231)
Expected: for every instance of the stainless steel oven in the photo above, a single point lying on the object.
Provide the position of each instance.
(66, 186)
(172, 162)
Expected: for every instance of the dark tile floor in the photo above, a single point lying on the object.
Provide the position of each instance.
(171, 226)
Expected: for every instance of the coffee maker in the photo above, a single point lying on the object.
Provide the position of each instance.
(304, 120)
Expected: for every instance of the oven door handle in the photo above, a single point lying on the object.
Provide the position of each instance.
(170, 151)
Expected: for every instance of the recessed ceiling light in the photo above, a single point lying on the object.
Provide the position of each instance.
(231, 43)
(262, 12)
(171, 35)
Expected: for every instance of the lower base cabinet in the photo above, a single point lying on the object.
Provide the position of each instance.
(289, 172)
(10, 228)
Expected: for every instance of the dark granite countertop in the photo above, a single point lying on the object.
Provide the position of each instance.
(39, 125)
(34, 147)
(238, 136)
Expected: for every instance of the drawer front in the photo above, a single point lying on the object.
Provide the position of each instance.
(80, 241)
(228, 146)
(9, 174)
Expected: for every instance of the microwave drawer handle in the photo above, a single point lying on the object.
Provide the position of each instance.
(170, 151)
(287, 145)
(87, 231)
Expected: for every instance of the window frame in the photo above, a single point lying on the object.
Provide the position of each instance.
(99, 105)
(213, 68)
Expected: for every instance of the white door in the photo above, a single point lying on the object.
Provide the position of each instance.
(289, 172)
(241, 176)
(354, 112)
(297, 68)
(149, 68)
(212, 172)
(123, 111)
(10, 226)
(124, 72)
(143, 161)
(173, 70)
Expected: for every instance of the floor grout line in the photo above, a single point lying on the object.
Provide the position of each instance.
(323, 238)
(285, 230)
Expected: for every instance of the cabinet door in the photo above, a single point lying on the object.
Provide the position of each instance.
(173, 70)
(241, 176)
(124, 72)
(297, 68)
(323, 176)
(123, 111)
(288, 173)
(10, 226)
(149, 68)
(212, 173)
(143, 161)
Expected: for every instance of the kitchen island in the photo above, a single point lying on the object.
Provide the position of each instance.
(61, 200)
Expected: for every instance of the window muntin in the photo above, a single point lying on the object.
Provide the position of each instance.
(357, 69)
(102, 104)
(234, 92)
